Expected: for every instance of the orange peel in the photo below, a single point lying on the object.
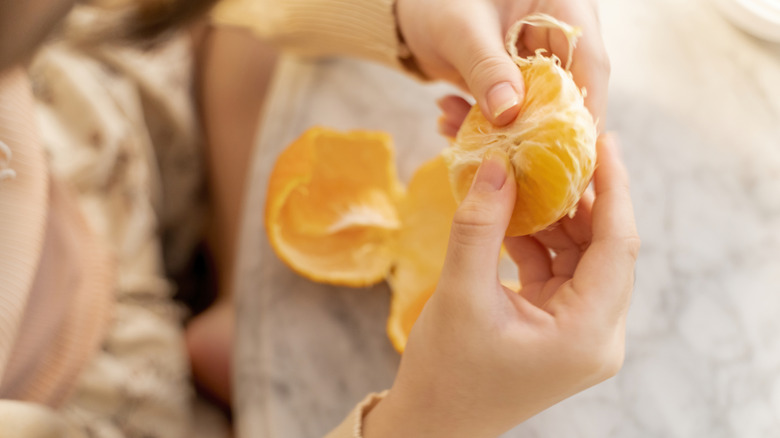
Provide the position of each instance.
(331, 206)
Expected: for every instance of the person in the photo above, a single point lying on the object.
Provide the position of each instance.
(458, 41)
(481, 359)
(58, 224)
(486, 70)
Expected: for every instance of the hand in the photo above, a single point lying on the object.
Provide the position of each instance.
(481, 358)
(462, 41)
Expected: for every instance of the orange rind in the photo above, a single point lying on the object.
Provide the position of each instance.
(331, 206)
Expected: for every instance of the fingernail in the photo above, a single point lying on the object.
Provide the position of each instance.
(501, 98)
(493, 171)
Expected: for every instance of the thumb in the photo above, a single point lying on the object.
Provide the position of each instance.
(492, 77)
(480, 223)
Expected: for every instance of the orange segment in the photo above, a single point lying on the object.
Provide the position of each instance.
(330, 210)
(426, 216)
(551, 145)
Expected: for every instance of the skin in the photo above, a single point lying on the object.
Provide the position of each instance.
(234, 73)
(565, 330)
(478, 63)
(481, 358)
(462, 41)
(570, 315)
(434, 30)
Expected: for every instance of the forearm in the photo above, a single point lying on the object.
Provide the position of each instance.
(235, 72)
(359, 28)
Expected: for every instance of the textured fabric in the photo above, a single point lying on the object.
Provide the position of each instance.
(23, 206)
(119, 127)
(359, 28)
(352, 426)
(52, 310)
(28, 420)
(67, 309)
(119, 130)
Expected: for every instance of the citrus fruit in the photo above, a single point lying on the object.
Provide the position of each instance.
(421, 245)
(331, 206)
(336, 213)
(551, 144)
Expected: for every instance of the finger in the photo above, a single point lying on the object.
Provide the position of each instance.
(606, 271)
(555, 238)
(580, 226)
(479, 226)
(454, 111)
(613, 213)
(531, 257)
(570, 232)
(590, 65)
(569, 238)
(480, 57)
(534, 38)
(566, 252)
(454, 107)
(447, 128)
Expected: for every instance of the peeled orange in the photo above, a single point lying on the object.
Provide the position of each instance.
(331, 206)
(551, 144)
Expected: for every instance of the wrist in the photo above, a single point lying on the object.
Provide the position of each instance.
(391, 419)
(417, 416)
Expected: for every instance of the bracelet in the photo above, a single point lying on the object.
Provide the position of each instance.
(363, 409)
(5, 163)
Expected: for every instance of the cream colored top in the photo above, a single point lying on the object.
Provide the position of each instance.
(360, 28)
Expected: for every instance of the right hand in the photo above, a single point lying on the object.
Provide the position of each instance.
(481, 358)
(462, 41)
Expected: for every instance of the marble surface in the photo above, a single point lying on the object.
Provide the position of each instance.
(697, 106)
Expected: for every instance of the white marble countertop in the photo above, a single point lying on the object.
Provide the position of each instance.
(697, 106)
